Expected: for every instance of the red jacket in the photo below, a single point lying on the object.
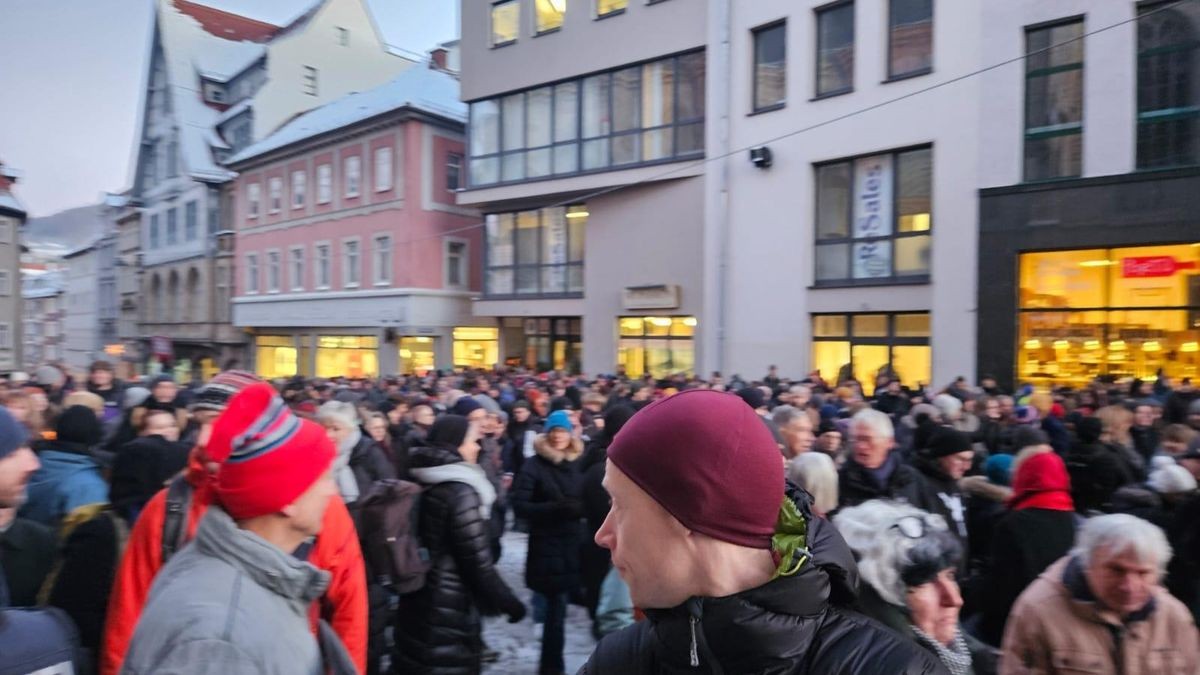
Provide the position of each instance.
(336, 551)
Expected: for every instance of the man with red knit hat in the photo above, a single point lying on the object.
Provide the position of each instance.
(237, 599)
(734, 572)
(336, 550)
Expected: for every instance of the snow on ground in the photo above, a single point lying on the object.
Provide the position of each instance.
(520, 644)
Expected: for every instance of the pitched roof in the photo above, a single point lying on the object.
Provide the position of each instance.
(418, 88)
(8, 201)
(277, 13)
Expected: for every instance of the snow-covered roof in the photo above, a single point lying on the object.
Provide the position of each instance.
(418, 88)
(222, 64)
(274, 12)
(241, 107)
(8, 201)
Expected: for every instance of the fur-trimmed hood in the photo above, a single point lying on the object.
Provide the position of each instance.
(541, 445)
(980, 486)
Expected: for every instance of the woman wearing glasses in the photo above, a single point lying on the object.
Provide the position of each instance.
(908, 560)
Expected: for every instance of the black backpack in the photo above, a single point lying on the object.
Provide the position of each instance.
(179, 502)
(389, 517)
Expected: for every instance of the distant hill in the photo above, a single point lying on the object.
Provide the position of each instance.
(64, 231)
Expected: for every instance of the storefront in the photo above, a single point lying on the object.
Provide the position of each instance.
(418, 354)
(659, 345)
(553, 344)
(347, 356)
(476, 347)
(868, 347)
(276, 356)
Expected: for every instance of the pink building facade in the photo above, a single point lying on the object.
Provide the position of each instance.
(352, 258)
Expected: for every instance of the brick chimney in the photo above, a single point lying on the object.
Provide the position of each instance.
(437, 58)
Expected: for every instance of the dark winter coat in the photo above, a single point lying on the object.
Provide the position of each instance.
(1097, 470)
(1183, 572)
(985, 507)
(26, 554)
(941, 495)
(856, 485)
(437, 629)
(549, 495)
(1024, 543)
(83, 583)
(369, 464)
(793, 625)
(1145, 442)
(140, 469)
(1176, 407)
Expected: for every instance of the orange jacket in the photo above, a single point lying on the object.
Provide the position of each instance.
(336, 550)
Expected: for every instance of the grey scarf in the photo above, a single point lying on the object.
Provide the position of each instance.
(460, 472)
(342, 473)
(956, 657)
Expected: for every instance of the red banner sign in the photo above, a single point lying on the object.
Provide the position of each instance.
(1146, 267)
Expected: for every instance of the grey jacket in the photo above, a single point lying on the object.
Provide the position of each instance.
(233, 604)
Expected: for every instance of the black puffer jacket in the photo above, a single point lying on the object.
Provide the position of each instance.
(549, 494)
(792, 625)
(856, 485)
(437, 629)
(369, 464)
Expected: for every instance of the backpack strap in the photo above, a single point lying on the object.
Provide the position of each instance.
(179, 502)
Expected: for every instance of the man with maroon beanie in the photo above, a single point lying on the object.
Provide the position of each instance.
(734, 572)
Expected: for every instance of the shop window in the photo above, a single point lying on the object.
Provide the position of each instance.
(476, 348)
(658, 345)
(872, 347)
(275, 356)
(1120, 313)
(347, 356)
(874, 218)
(554, 344)
(536, 253)
(1168, 98)
(418, 355)
(1054, 101)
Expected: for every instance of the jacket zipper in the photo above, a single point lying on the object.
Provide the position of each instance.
(694, 654)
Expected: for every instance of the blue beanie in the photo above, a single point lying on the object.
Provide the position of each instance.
(998, 469)
(559, 419)
(13, 436)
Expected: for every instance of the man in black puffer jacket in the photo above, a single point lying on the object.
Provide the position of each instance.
(734, 572)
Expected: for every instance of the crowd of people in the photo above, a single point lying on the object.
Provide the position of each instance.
(739, 526)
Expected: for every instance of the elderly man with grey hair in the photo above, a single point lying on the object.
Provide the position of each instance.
(1101, 609)
(873, 470)
(796, 428)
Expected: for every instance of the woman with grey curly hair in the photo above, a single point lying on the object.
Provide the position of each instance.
(908, 560)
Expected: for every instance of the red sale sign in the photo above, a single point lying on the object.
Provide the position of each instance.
(1145, 267)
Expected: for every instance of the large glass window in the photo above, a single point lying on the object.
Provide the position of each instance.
(1168, 98)
(1125, 312)
(548, 14)
(770, 66)
(1054, 101)
(553, 344)
(536, 253)
(874, 216)
(189, 221)
(872, 348)
(910, 37)
(275, 356)
(659, 345)
(648, 113)
(172, 226)
(506, 21)
(347, 356)
(476, 348)
(835, 49)
(417, 355)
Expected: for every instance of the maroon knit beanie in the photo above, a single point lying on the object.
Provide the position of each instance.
(709, 460)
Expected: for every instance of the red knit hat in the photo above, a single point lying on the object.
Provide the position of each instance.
(709, 460)
(268, 456)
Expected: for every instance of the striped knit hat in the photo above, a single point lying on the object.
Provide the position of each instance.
(216, 394)
(269, 457)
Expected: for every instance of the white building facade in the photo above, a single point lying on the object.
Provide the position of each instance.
(81, 324)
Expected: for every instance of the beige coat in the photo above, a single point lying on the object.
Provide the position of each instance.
(1050, 632)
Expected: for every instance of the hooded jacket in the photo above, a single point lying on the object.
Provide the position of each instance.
(68, 478)
(336, 550)
(231, 603)
(792, 625)
(549, 494)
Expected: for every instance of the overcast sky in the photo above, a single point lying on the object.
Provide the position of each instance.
(71, 79)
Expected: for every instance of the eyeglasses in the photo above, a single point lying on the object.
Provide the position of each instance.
(912, 527)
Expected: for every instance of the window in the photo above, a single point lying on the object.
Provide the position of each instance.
(322, 266)
(251, 273)
(553, 344)
(6, 337)
(172, 226)
(310, 80)
(383, 169)
(872, 349)
(296, 267)
(417, 355)
(343, 36)
(324, 183)
(154, 231)
(506, 18)
(6, 230)
(535, 253)
(351, 265)
(609, 7)
(190, 225)
(252, 199)
(874, 216)
(273, 271)
(453, 171)
(275, 194)
(456, 263)
(222, 308)
(1054, 102)
(770, 66)
(548, 14)
(353, 169)
(347, 356)
(648, 113)
(299, 184)
(835, 49)
(5, 283)
(383, 260)
(476, 348)
(1168, 97)
(172, 159)
(275, 356)
(1122, 313)
(660, 346)
(910, 38)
